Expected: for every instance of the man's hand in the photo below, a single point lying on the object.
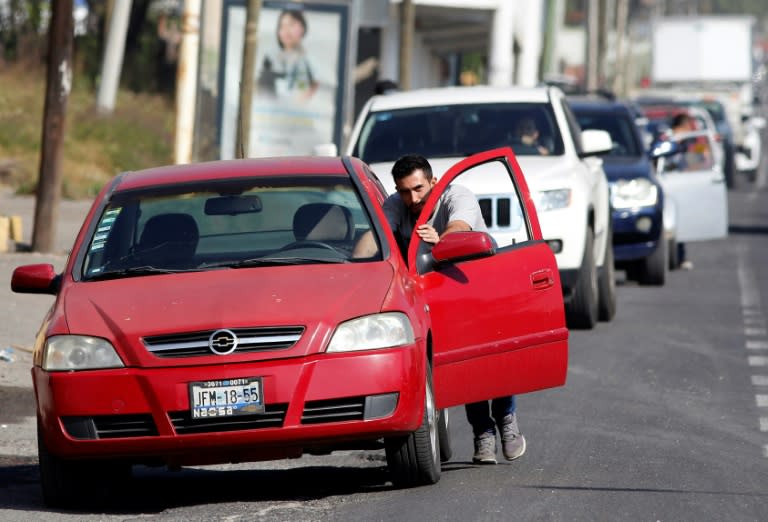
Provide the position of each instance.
(428, 234)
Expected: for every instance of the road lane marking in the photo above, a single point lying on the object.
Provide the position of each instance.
(757, 360)
(752, 311)
(757, 345)
(763, 423)
(754, 321)
(762, 401)
(760, 380)
(765, 451)
(755, 332)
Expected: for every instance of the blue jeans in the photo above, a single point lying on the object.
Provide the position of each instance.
(484, 418)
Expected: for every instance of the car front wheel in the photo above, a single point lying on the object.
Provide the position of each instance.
(414, 460)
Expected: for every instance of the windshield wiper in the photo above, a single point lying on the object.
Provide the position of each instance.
(135, 271)
(273, 261)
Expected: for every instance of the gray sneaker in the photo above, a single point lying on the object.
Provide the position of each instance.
(512, 441)
(485, 449)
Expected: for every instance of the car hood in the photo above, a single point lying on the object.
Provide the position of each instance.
(314, 296)
(617, 168)
(541, 173)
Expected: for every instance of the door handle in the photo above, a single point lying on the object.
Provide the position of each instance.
(542, 279)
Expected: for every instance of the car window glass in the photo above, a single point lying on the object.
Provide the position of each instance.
(193, 227)
(620, 127)
(456, 131)
(695, 154)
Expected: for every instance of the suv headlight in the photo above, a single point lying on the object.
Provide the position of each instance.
(79, 352)
(553, 199)
(632, 193)
(371, 332)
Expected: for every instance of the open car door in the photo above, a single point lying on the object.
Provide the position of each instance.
(694, 181)
(496, 306)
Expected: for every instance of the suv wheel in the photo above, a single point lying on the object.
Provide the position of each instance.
(582, 309)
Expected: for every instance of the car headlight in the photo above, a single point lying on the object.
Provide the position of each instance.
(553, 199)
(79, 352)
(632, 193)
(371, 332)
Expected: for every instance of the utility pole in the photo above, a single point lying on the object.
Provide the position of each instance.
(246, 77)
(407, 28)
(593, 27)
(620, 71)
(186, 81)
(57, 88)
(113, 56)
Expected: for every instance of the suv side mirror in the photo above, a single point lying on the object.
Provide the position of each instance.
(595, 141)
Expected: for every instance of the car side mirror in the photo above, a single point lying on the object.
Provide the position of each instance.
(35, 279)
(595, 141)
(462, 246)
(758, 122)
(664, 148)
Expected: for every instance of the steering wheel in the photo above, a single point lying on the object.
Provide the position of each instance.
(309, 243)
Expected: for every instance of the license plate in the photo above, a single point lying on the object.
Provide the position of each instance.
(226, 397)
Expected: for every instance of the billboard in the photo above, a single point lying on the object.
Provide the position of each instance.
(299, 78)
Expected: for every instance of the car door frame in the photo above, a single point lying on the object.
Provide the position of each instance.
(520, 343)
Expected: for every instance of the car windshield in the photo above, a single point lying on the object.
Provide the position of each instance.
(457, 131)
(227, 224)
(620, 127)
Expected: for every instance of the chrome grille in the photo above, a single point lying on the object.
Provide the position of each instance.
(195, 344)
(335, 410)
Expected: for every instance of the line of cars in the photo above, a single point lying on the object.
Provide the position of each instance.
(220, 312)
(604, 198)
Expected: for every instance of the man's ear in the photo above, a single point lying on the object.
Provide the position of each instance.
(433, 182)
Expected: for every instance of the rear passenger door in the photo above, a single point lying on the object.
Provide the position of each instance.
(497, 322)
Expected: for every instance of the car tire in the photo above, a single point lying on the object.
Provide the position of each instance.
(653, 269)
(73, 483)
(581, 310)
(414, 460)
(674, 257)
(444, 436)
(606, 283)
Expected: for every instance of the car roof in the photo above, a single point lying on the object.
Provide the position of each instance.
(597, 104)
(439, 96)
(229, 169)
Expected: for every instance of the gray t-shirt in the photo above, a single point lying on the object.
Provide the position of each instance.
(456, 203)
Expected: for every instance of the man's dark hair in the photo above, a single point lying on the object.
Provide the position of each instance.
(680, 119)
(408, 163)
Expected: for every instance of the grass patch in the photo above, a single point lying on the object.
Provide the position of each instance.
(138, 134)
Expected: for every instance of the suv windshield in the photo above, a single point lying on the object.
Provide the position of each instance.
(620, 126)
(457, 131)
(234, 224)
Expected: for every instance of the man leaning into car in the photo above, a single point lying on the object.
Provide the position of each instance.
(457, 210)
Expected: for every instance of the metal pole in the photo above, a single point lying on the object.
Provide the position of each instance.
(113, 56)
(186, 81)
(57, 88)
(620, 71)
(593, 28)
(407, 27)
(246, 77)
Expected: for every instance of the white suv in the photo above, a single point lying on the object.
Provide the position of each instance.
(564, 174)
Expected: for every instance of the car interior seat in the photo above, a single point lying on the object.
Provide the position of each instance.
(325, 222)
(168, 240)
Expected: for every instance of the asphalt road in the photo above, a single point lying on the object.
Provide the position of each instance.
(664, 417)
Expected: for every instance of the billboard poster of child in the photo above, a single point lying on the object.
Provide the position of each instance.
(299, 80)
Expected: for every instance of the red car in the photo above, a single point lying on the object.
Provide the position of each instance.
(214, 312)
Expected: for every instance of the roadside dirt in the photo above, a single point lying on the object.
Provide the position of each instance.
(20, 318)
